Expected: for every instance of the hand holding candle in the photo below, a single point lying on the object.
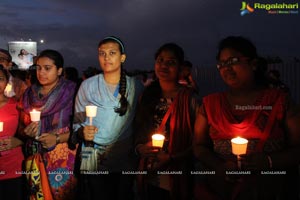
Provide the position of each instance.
(35, 115)
(239, 147)
(91, 111)
(158, 140)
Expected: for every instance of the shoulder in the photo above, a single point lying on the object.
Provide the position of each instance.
(90, 82)
(11, 101)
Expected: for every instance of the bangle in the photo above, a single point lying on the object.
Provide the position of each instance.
(57, 138)
(270, 162)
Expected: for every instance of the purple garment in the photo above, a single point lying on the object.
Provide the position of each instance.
(56, 107)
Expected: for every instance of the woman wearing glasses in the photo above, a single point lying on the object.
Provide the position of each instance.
(251, 110)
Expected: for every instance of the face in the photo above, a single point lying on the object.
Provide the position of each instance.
(3, 82)
(47, 72)
(236, 70)
(167, 67)
(110, 57)
(185, 71)
(4, 60)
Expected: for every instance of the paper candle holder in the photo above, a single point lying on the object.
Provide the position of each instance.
(35, 115)
(91, 111)
(158, 140)
(1, 126)
(239, 145)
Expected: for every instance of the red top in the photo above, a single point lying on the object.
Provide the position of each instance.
(11, 160)
(260, 124)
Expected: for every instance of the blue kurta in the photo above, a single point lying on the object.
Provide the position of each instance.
(111, 126)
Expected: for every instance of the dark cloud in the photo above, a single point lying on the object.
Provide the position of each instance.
(75, 27)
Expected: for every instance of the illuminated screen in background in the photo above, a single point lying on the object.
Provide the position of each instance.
(22, 53)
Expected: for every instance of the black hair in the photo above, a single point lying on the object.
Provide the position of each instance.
(122, 83)
(7, 54)
(240, 44)
(71, 73)
(187, 63)
(174, 48)
(4, 72)
(53, 55)
(248, 49)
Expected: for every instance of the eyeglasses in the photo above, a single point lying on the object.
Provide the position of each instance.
(230, 62)
(2, 59)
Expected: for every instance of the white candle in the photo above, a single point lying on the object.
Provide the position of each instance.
(91, 111)
(1, 126)
(239, 145)
(158, 140)
(35, 115)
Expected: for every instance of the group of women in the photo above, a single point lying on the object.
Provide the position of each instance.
(88, 158)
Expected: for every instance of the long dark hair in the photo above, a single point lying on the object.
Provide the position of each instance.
(122, 83)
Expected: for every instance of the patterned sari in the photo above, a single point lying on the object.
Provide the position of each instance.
(56, 112)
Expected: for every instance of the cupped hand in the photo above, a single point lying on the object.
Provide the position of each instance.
(89, 132)
(32, 129)
(147, 150)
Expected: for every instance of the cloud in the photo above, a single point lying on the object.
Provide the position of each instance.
(75, 27)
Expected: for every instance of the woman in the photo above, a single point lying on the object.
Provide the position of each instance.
(251, 110)
(110, 134)
(53, 97)
(162, 97)
(11, 155)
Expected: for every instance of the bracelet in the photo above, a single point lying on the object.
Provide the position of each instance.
(270, 162)
(57, 138)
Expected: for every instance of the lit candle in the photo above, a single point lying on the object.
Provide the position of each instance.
(35, 115)
(158, 140)
(1, 126)
(239, 145)
(91, 111)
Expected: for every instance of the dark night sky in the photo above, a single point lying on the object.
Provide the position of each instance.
(74, 27)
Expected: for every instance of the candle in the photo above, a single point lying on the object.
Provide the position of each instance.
(239, 145)
(35, 115)
(158, 140)
(1, 126)
(91, 111)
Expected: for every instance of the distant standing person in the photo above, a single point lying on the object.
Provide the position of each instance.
(186, 77)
